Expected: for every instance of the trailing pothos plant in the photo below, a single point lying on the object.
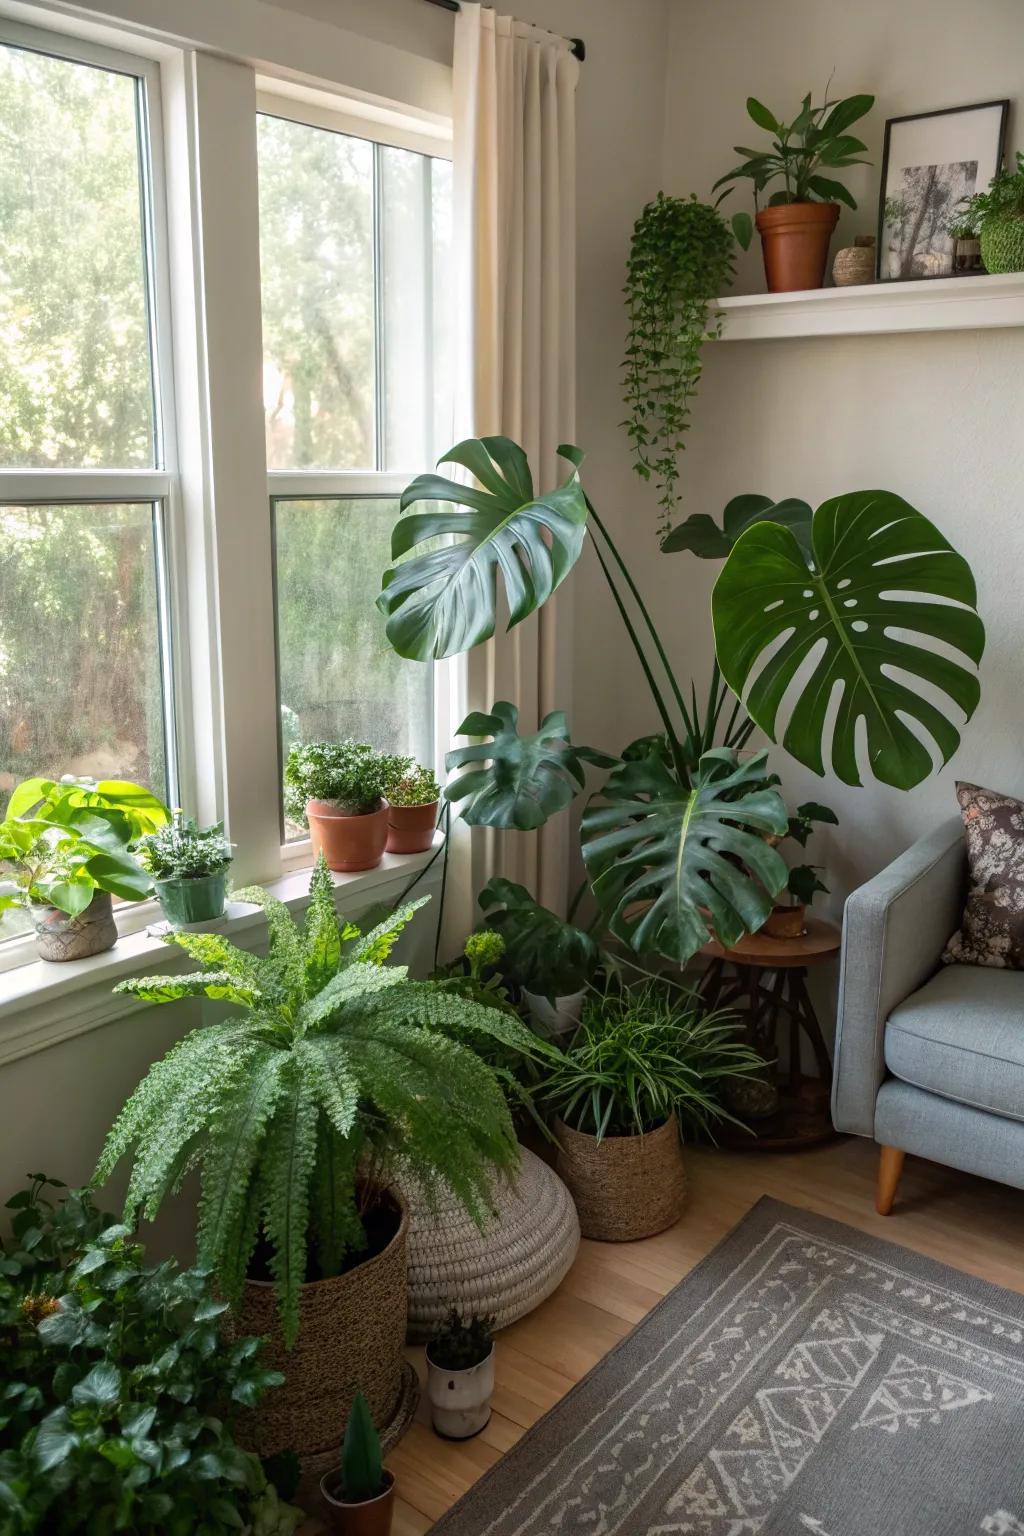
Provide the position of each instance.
(680, 260)
(675, 847)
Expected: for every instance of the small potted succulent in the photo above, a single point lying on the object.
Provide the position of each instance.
(337, 790)
(412, 797)
(359, 1493)
(549, 960)
(460, 1375)
(66, 843)
(788, 918)
(188, 864)
(997, 218)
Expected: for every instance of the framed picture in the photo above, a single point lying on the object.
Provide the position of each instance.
(930, 161)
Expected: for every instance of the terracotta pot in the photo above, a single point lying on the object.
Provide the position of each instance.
(370, 1518)
(351, 1337)
(460, 1401)
(411, 827)
(794, 240)
(787, 921)
(60, 937)
(625, 1187)
(347, 842)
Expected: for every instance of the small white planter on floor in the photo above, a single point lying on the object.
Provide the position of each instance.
(563, 1018)
(460, 1401)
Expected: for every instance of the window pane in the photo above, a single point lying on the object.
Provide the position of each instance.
(75, 377)
(338, 676)
(316, 255)
(416, 299)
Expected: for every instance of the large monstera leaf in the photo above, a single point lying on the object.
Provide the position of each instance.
(443, 600)
(701, 535)
(669, 864)
(517, 781)
(874, 562)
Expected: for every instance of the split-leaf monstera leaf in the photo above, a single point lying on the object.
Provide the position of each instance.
(668, 864)
(793, 627)
(443, 600)
(516, 781)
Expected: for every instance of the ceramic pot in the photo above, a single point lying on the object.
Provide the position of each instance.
(60, 937)
(967, 255)
(370, 1518)
(563, 1018)
(625, 1187)
(197, 900)
(347, 842)
(460, 1401)
(411, 827)
(794, 241)
(787, 921)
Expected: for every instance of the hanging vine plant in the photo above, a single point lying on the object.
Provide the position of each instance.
(680, 259)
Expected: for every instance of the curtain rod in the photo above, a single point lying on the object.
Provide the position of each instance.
(577, 44)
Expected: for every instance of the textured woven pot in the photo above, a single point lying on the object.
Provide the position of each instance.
(60, 937)
(1002, 246)
(855, 264)
(625, 1187)
(351, 1337)
(504, 1271)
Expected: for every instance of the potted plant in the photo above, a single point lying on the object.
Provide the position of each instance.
(680, 259)
(121, 1390)
(296, 1111)
(797, 222)
(67, 846)
(189, 865)
(645, 1061)
(997, 217)
(788, 919)
(412, 795)
(549, 960)
(963, 230)
(337, 790)
(460, 1375)
(359, 1493)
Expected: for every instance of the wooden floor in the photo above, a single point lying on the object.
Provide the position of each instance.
(969, 1223)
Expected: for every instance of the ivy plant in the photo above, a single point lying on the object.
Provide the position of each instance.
(680, 260)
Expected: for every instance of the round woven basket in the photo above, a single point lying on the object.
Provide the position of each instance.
(625, 1187)
(506, 1270)
(351, 1338)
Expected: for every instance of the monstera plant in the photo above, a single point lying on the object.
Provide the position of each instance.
(679, 841)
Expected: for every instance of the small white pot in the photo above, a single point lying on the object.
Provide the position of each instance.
(460, 1401)
(563, 1018)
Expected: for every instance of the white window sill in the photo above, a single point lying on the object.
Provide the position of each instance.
(44, 1002)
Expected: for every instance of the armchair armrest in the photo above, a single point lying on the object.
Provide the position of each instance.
(894, 930)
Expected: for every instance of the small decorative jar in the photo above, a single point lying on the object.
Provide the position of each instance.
(967, 254)
(855, 263)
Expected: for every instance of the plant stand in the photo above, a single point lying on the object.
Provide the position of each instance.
(765, 981)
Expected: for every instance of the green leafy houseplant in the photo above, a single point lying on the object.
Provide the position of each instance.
(675, 848)
(680, 260)
(997, 217)
(349, 774)
(542, 954)
(413, 786)
(188, 864)
(803, 883)
(801, 154)
(296, 1109)
(120, 1387)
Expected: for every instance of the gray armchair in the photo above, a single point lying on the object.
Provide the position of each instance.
(929, 1058)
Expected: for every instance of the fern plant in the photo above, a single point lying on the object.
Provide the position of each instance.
(337, 1066)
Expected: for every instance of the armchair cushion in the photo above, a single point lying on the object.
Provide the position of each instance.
(961, 1035)
(992, 929)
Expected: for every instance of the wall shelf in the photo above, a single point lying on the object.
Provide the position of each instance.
(935, 304)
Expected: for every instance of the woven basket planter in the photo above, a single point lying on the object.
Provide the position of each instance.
(625, 1187)
(505, 1271)
(351, 1337)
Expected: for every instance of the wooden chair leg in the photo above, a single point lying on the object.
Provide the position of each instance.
(890, 1166)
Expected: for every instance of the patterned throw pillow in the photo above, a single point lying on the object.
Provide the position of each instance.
(992, 929)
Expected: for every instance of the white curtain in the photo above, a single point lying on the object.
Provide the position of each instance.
(514, 180)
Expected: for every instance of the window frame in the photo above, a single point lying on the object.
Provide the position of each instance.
(157, 487)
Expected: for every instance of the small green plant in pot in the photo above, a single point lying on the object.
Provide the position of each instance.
(788, 918)
(412, 795)
(189, 865)
(646, 1061)
(337, 790)
(359, 1494)
(460, 1375)
(997, 217)
(67, 845)
(549, 960)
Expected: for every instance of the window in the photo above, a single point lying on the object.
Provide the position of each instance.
(354, 241)
(85, 480)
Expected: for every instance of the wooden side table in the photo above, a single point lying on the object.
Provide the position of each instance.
(765, 981)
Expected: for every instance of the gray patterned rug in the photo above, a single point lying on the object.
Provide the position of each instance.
(803, 1379)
